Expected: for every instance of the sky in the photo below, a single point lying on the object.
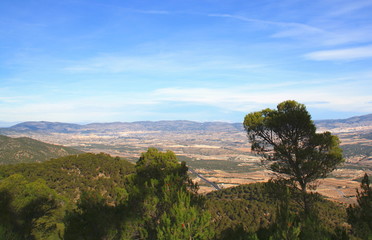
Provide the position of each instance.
(83, 61)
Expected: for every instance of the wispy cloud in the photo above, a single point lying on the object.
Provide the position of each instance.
(295, 27)
(319, 31)
(172, 62)
(362, 34)
(351, 6)
(247, 99)
(341, 54)
(154, 103)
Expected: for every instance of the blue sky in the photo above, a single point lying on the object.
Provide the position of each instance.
(203, 60)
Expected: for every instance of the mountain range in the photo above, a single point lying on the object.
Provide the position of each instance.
(177, 125)
(174, 126)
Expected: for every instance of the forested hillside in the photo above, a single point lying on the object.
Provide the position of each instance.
(253, 208)
(72, 175)
(96, 196)
(23, 149)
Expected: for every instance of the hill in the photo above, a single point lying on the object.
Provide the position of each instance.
(253, 208)
(173, 126)
(45, 127)
(113, 197)
(71, 175)
(43, 200)
(24, 149)
(357, 121)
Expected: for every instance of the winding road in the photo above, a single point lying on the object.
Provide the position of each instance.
(214, 185)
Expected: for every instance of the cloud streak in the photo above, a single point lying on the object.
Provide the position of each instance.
(351, 6)
(296, 28)
(147, 104)
(174, 62)
(341, 54)
(246, 99)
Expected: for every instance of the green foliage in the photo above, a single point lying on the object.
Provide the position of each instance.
(287, 224)
(242, 210)
(360, 216)
(22, 150)
(7, 233)
(253, 208)
(95, 196)
(36, 196)
(72, 175)
(93, 219)
(154, 164)
(31, 208)
(159, 177)
(184, 221)
(286, 138)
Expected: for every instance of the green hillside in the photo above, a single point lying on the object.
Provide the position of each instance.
(71, 175)
(252, 208)
(96, 196)
(24, 150)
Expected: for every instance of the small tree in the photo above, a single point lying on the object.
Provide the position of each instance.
(360, 216)
(286, 138)
(159, 177)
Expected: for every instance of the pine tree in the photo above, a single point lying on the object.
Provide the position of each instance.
(184, 221)
(360, 216)
(287, 140)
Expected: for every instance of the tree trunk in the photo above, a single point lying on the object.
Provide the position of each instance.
(305, 199)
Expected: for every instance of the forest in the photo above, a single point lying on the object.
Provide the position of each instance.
(96, 196)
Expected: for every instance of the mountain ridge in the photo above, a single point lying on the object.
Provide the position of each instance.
(165, 125)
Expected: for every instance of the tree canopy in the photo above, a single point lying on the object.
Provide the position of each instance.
(287, 140)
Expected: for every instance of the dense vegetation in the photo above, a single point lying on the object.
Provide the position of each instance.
(72, 175)
(253, 208)
(360, 215)
(19, 150)
(95, 196)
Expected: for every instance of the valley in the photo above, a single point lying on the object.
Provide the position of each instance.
(219, 151)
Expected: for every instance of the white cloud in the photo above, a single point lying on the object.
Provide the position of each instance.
(341, 54)
(244, 99)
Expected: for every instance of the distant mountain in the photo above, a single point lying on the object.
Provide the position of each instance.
(199, 140)
(358, 121)
(169, 126)
(22, 150)
(45, 127)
